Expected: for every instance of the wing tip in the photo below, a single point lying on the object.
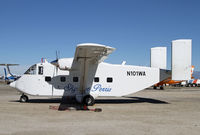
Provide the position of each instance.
(90, 44)
(95, 44)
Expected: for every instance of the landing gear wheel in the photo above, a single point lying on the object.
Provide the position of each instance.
(154, 87)
(24, 98)
(8, 83)
(88, 100)
(161, 87)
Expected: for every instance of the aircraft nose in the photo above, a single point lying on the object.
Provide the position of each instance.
(12, 84)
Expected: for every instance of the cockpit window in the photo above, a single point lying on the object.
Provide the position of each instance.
(31, 70)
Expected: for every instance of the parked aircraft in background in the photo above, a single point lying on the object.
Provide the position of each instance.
(87, 77)
(193, 83)
(8, 76)
(169, 81)
(1, 77)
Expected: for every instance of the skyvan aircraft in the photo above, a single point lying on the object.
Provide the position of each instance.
(86, 76)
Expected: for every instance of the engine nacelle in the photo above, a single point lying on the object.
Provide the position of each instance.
(65, 63)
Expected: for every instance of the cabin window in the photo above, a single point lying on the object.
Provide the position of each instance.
(62, 79)
(40, 70)
(96, 79)
(47, 78)
(75, 79)
(109, 79)
(31, 70)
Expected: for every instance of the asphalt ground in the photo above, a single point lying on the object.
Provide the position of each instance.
(174, 111)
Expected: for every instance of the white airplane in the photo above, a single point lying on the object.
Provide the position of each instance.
(86, 76)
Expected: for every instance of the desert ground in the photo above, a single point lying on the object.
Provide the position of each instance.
(174, 111)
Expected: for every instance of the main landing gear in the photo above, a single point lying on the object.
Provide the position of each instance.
(88, 100)
(161, 87)
(23, 98)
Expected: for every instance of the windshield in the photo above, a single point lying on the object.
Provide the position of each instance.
(31, 70)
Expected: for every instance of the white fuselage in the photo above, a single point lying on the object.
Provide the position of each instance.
(45, 79)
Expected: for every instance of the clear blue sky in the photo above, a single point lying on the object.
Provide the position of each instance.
(31, 29)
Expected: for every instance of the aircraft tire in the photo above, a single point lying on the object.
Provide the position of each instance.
(24, 98)
(161, 87)
(88, 100)
(154, 87)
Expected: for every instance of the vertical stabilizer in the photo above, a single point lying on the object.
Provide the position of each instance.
(5, 73)
(159, 57)
(181, 59)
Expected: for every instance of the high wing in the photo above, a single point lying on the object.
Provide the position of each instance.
(94, 52)
(9, 64)
(86, 60)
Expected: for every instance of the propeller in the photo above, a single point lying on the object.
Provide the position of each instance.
(57, 55)
(57, 58)
(55, 62)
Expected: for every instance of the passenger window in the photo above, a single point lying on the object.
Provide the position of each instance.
(62, 79)
(47, 78)
(40, 70)
(109, 79)
(75, 79)
(96, 79)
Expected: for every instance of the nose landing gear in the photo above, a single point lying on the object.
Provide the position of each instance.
(23, 98)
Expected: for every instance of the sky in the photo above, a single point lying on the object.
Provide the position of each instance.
(32, 29)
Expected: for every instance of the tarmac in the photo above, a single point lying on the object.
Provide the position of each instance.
(174, 111)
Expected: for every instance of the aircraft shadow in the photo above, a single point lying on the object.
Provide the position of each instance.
(130, 100)
(98, 101)
(57, 100)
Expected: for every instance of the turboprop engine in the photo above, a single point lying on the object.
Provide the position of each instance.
(63, 64)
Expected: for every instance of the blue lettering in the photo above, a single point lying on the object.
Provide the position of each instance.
(99, 88)
(70, 88)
